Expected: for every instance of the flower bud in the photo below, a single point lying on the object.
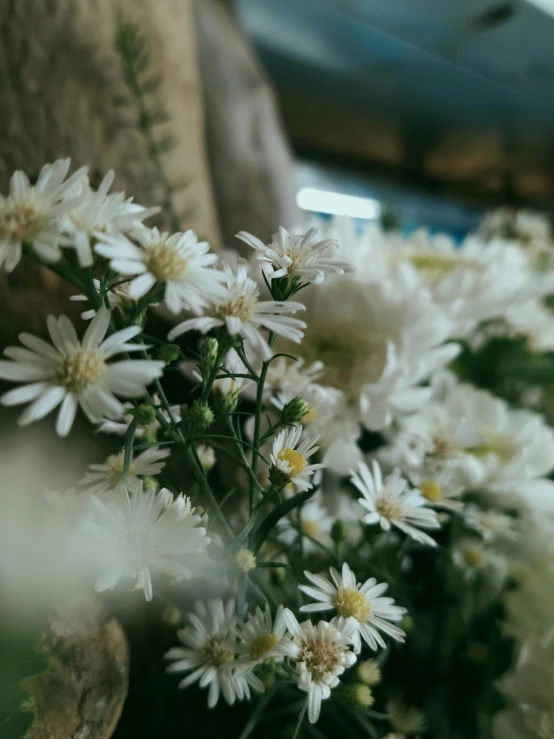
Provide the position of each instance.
(359, 695)
(145, 414)
(172, 616)
(197, 416)
(151, 482)
(245, 560)
(208, 353)
(206, 455)
(369, 672)
(169, 353)
(294, 411)
(339, 531)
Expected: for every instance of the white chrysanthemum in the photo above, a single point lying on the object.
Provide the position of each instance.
(289, 378)
(107, 476)
(471, 282)
(535, 322)
(389, 502)
(144, 531)
(315, 526)
(492, 524)
(363, 602)
(180, 262)
(297, 255)
(532, 230)
(290, 456)
(243, 314)
(30, 214)
(210, 653)
(98, 214)
(473, 557)
(378, 342)
(440, 483)
(261, 638)
(322, 653)
(116, 297)
(73, 372)
(517, 446)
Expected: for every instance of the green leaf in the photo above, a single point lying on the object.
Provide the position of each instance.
(19, 661)
(271, 519)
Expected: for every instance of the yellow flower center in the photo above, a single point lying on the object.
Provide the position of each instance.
(472, 557)
(310, 416)
(320, 657)
(214, 653)
(164, 262)
(353, 355)
(294, 459)
(241, 307)
(79, 368)
(387, 509)
(310, 528)
(22, 220)
(262, 644)
(350, 602)
(497, 444)
(116, 463)
(431, 491)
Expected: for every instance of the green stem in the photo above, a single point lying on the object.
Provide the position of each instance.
(300, 719)
(257, 712)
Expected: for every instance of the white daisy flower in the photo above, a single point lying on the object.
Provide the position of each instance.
(492, 524)
(143, 531)
(473, 557)
(180, 262)
(99, 213)
(322, 653)
(73, 372)
(297, 255)
(440, 484)
(315, 526)
(243, 314)
(391, 503)
(116, 297)
(363, 602)
(290, 456)
(261, 638)
(210, 653)
(30, 213)
(107, 476)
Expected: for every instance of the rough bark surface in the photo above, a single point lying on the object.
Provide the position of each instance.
(82, 694)
(61, 89)
(250, 159)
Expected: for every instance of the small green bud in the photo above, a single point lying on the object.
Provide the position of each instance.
(339, 531)
(294, 410)
(208, 353)
(172, 616)
(197, 416)
(245, 560)
(225, 403)
(145, 414)
(169, 353)
(151, 482)
(369, 672)
(359, 695)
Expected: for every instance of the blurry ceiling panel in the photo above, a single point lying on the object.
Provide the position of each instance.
(456, 94)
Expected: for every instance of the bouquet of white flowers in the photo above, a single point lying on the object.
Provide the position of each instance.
(352, 533)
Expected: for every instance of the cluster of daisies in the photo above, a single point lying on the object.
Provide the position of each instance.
(362, 448)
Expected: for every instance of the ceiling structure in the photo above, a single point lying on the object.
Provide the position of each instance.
(455, 96)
